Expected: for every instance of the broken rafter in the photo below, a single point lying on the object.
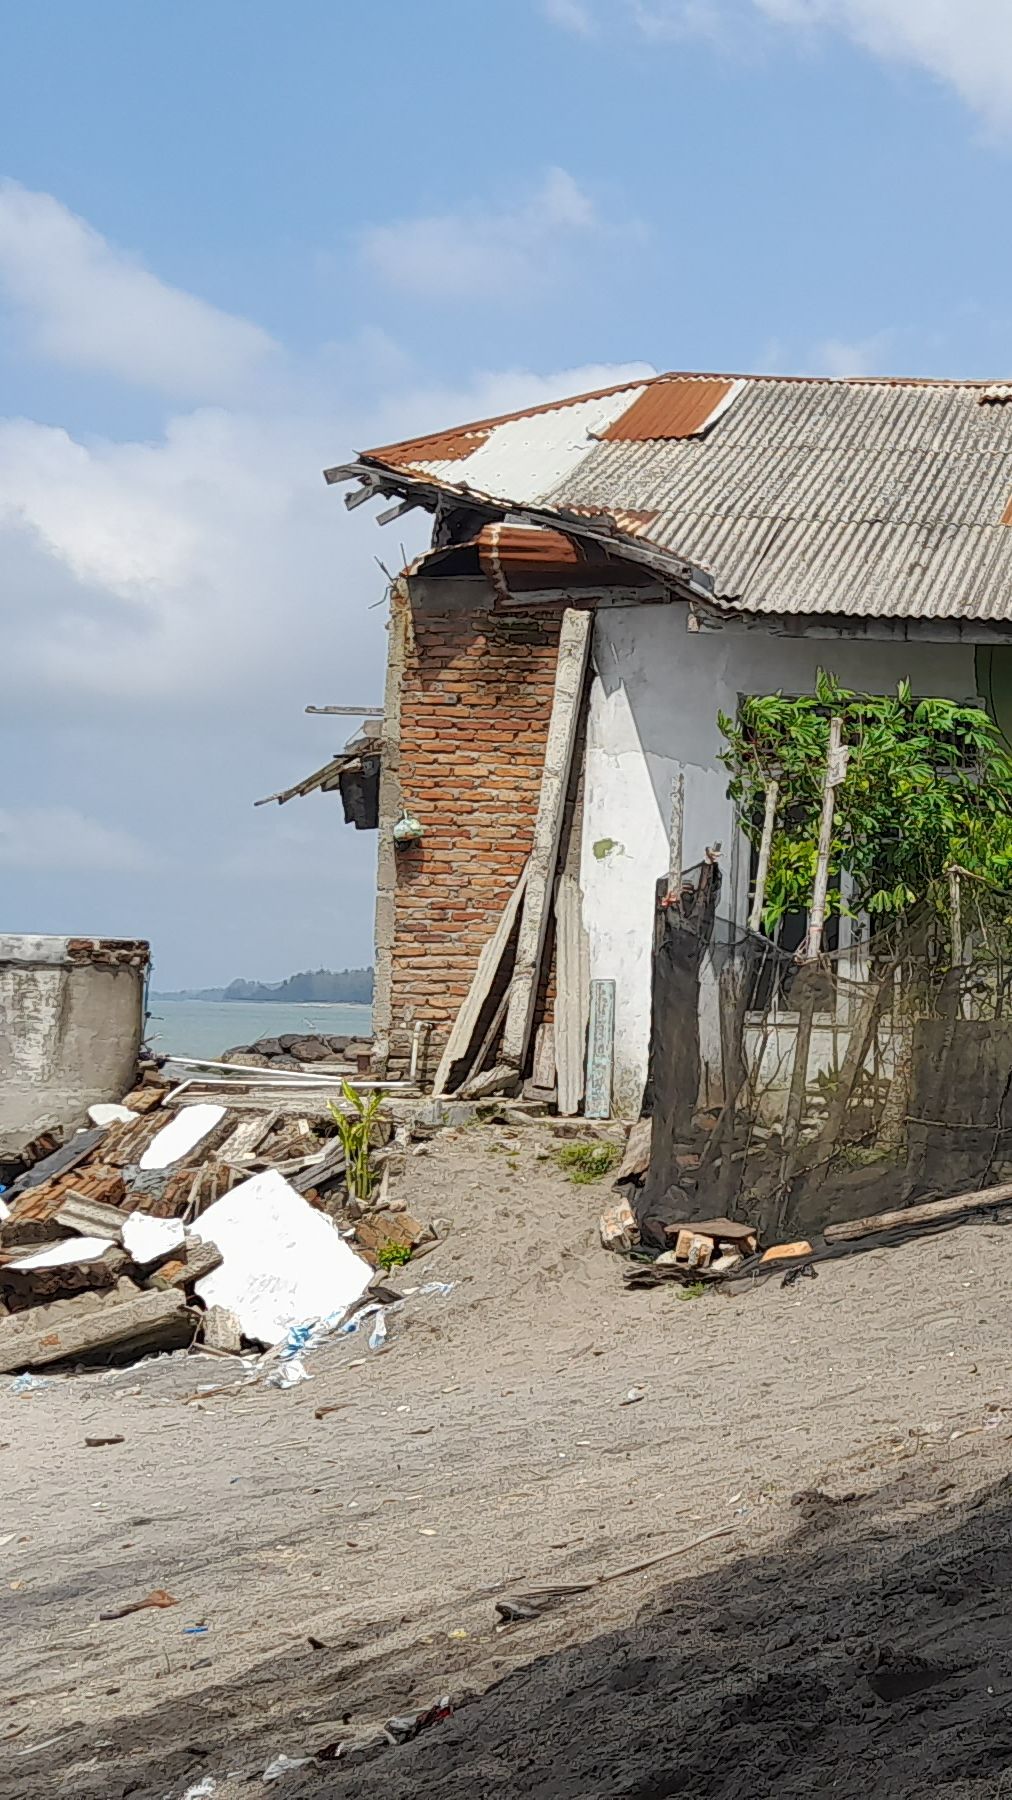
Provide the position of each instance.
(349, 712)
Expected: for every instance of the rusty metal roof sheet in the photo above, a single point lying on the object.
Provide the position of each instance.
(676, 408)
(867, 497)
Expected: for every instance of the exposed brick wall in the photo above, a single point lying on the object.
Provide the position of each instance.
(476, 699)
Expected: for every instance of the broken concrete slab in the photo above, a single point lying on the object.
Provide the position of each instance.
(148, 1239)
(65, 1254)
(147, 1322)
(90, 1218)
(181, 1135)
(199, 1258)
(221, 1330)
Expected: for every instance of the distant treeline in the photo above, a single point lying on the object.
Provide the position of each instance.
(353, 986)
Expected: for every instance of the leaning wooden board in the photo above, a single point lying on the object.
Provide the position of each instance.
(465, 1024)
(563, 730)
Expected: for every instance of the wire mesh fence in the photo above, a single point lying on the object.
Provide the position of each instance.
(796, 1094)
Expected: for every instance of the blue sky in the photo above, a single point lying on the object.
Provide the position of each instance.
(238, 241)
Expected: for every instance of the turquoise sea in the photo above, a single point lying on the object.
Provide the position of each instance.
(207, 1027)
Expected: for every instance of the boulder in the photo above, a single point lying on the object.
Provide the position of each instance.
(268, 1046)
(310, 1049)
(338, 1044)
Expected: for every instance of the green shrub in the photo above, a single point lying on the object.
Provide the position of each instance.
(588, 1162)
(393, 1256)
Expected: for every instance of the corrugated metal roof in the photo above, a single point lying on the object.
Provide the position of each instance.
(526, 546)
(671, 409)
(453, 444)
(869, 497)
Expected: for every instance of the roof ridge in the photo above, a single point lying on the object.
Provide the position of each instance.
(454, 439)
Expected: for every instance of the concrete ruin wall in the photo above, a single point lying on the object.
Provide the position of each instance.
(468, 705)
(71, 1023)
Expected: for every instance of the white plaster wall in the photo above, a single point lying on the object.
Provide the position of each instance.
(654, 701)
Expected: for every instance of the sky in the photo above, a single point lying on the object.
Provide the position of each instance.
(239, 242)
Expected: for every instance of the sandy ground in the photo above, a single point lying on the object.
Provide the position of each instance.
(346, 1568)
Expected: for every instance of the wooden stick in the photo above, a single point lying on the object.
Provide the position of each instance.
(676, 834)
(836, 769)
(977, 1201)
(955, 918)
(836, 765)
(755, 917)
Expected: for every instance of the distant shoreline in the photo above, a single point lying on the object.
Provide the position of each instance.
(257, 1000)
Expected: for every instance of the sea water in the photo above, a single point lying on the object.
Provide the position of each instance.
(207, 1027)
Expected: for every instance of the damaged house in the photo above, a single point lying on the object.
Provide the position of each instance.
(608, 574)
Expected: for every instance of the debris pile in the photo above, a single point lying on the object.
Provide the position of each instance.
(211, 1208)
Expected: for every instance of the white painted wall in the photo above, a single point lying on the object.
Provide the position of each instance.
(654, 702)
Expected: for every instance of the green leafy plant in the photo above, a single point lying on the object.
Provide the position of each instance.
(928, 786)
(393, 1256)
(588, 1162)
(356, 1127)
(694, 1291)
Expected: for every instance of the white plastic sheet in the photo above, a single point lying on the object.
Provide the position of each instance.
(283, 1261)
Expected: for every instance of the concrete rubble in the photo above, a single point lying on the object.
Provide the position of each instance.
(201, 1209)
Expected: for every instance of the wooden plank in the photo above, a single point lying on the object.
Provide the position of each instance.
(601, 1050)
(928, 1214)
(500, 1080)
(148, 1321)
(570, 673)
(543, 1073)
(462, 1031)
(572, 998)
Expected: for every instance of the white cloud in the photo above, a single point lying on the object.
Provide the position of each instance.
(571, 15)
(61, 839)
(660, 19)
(167, 609)
(484, 253)
(214, 559)
(862, 356)
(87, 304)
(964, 43)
